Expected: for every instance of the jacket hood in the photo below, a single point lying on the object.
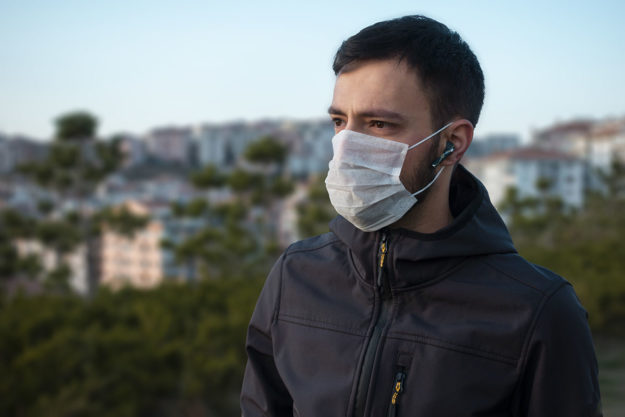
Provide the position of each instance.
(416, 258)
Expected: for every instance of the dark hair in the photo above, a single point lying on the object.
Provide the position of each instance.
(447, 68)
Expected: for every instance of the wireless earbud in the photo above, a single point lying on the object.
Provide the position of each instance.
(449, 148)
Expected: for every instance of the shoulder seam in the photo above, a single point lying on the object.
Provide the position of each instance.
(287, 252)
(513, 277)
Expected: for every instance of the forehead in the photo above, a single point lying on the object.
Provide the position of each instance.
(388, 84)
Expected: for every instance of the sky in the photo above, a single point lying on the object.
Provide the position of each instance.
(142, 64)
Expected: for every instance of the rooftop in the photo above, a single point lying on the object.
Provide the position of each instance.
(532, 153)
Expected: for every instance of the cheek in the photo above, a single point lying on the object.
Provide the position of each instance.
(416, 170)
(410, 170)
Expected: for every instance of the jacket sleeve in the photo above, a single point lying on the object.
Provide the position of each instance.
(263, 392)
(560, 377)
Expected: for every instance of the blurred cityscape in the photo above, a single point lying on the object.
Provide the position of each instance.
(130, 265)
(156, 176)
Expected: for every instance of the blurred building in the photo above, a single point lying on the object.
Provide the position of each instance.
(76, 260)
(117, 189)
(571, 137)
(607, 143)
(596, 142)
(493, 143)
(223, 144)
(310, 147)
(24, 196)
(523, 168)
(568, 155)
(169, 144)
(134, 150)
(142, 260)
(16, 150)
(309, 143)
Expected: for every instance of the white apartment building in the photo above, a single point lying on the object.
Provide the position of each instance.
(523, 167)
(571, 137)
(597, 142)
(309, 143)
(223, 144)
(607, 143)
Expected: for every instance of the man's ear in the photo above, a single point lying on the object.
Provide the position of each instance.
(460, 134)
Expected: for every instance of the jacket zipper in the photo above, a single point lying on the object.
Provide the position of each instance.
(384, 293)
(398, 388)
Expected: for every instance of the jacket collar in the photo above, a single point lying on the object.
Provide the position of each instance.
(421, 258)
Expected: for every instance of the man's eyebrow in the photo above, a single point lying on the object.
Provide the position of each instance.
(334, 110)
(372, 113)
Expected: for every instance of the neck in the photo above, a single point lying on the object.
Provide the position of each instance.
(432, 213)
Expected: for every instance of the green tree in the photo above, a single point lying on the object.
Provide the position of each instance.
(233, 244)
(8, 257)
(174, 350)
(45, 207)
(241, 181)
(582, 245)
(30, 266)
(316, 211)
(208, 177)
(120, 220)
(614, 179)
(535, 219)
(15, 226)
(266, 150)
(269, 155)
(77, 161)
(76, 126)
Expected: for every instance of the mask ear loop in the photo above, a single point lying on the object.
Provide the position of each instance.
(433, 134)
(441, 170)
(431, 182)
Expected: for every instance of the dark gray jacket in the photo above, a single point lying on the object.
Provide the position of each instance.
(400, 323)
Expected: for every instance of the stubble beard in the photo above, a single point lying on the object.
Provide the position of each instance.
(420, 177)
(424, 173)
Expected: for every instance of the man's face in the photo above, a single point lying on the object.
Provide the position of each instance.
(384, 98)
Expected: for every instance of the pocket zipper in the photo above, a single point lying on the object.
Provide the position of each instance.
(398, 388)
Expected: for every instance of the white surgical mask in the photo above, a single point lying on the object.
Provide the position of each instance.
(363, 179)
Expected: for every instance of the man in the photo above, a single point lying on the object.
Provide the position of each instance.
(416, 303)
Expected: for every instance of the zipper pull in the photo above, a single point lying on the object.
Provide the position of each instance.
(382, 251)
(398, 388)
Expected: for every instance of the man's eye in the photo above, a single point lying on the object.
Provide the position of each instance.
(379, 124)
(337, 122)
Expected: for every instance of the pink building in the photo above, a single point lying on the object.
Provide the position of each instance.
(141, 260)
(136, 260)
